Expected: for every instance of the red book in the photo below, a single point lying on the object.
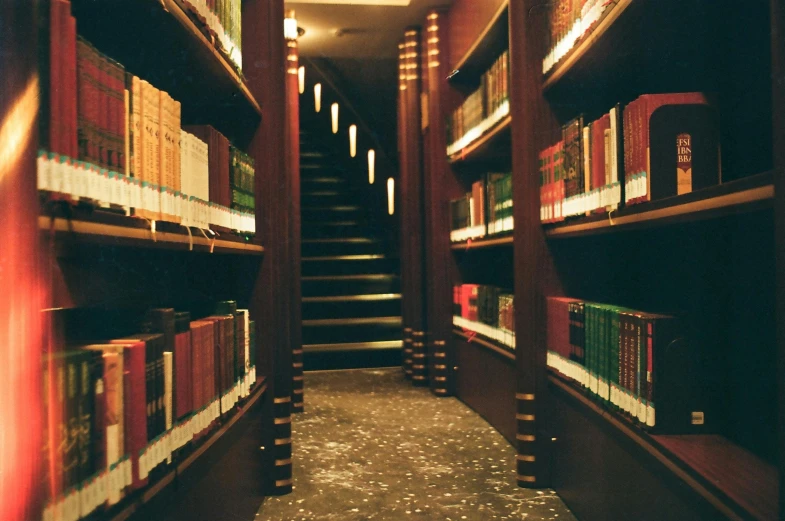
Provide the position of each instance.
(70, 133)
(135, 408)
(55, 80)
(183, 374)
(218, 159)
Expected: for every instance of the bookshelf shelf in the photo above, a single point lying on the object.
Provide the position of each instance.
(744, 195)
(132, 232)
(491, 145)
(492, 345)
(491, 41)
(735, 482)
(586, 47)
(160, 42)
(127, 509)
(492, 242)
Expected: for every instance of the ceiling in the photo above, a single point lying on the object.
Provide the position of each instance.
(343, 29)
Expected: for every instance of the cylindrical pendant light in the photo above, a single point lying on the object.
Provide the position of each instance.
(317, 97)
(334, 109)
(391, 196)
(353, 140)
(371, 165)
(301, 78)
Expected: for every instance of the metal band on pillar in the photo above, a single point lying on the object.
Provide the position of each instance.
(526, 439)
(282, 450)
(408, 352)
(419, 358)
(439, 372)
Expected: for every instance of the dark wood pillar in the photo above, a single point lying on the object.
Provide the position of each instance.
(412, 208)
(440, 262)
(265, 56)
(293, 174)
(533, 266)
(23, 294)
(402, 181)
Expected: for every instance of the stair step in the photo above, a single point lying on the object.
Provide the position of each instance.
(340, 246)
(330, 322)
(337, 306)
(373, 297)
(349, 285)
(353, 346)
(374, 330)
(348, 265)
(323, 180)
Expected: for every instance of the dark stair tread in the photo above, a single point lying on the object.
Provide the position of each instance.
(354, 346)
(363, 276)
(362, 321)
(373, 297)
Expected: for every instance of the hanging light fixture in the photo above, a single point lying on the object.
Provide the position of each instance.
(290, 25)
(334, 109)
(390, 196)
(317, 97)
(371, 165)
(353, 140)
(301, 78)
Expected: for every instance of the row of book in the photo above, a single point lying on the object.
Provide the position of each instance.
(103, 116)
(631, 360)
(569, 21)
(486, 310)
(482, 109)
(223, 20)
(486, 210)
(660, 145)
(79, 180)
(118, 408)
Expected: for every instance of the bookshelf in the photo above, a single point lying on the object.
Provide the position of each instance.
(99, 272)
(490, 145)
(629, 257)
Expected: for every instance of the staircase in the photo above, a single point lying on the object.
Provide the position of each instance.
(351, 302)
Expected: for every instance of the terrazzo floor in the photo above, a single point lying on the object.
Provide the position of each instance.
(372, 447)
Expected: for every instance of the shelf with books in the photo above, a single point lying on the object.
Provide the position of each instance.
(136, 502)
(486, 242)
(119, 230)
(736, 483)
(744, 195)
(491, 41)
(489, 141)
(163, 42)
(497, 334)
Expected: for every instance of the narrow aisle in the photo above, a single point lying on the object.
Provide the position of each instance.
(372, 447)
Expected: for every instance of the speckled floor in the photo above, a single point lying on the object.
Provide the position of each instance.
(372, 447)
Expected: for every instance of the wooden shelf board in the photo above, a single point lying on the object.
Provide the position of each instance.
(721, 472)
(148, 494)
(738, 196)
(504, 351)
(479, 148)
(136, 236)
(567, 63)
(483, 243)
(472, 63)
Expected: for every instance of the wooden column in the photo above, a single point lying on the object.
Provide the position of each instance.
(439, 257)
(533, 266)
(778, 112)
(264, 53)
(402, 180)
(412, 208)
(293, 174)
(22, 297)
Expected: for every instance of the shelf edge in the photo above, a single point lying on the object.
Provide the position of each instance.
(486, 344)
(463, 155)
(482, 243)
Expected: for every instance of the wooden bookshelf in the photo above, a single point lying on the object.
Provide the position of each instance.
(613, 19)
(471, 337)
(490, 146)
(487, 242)
(491, 41)
(735, 482)
(748, 194)
(161, 42)
(135, 502)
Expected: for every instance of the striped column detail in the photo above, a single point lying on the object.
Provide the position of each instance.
(419, 358)
(526, 440)
(408, 352)
(282, 451)
(439, 371)
(297, 381)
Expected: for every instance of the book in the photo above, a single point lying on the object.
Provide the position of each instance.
(218, 160)
(184, 365)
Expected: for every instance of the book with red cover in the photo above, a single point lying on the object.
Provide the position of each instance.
(559, 326)
(183, 360)
(134, 404)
